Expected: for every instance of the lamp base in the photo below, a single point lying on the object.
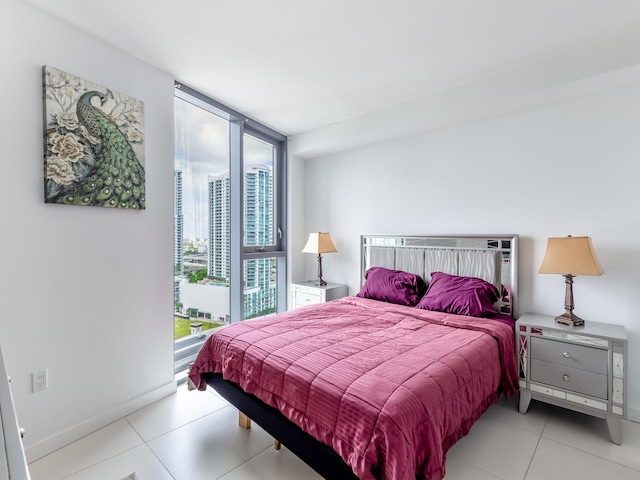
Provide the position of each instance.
(319, 282)
(568, 318)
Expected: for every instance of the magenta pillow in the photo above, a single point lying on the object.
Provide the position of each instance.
(394, 286)
(460, 295)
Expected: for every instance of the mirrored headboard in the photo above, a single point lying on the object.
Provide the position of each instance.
(493, 258)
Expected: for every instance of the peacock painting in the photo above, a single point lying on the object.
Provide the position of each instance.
(94, 144)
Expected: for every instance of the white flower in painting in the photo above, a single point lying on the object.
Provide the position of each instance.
(132, 117)
(117, 119)
(67, 120)
(59, 171)
(134, 135)
(67, 146)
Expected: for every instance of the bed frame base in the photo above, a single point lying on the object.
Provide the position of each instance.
(245, 422)
(317, 455)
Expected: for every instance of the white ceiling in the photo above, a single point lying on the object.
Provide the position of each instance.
(298, 65)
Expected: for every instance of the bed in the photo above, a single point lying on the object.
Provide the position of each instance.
(381, 384)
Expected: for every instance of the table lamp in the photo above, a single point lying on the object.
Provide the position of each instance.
(319, 243)
(570, 256)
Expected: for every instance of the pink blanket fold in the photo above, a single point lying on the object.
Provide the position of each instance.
(390, 388)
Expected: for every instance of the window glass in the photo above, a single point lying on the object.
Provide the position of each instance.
(259, 202)
(201, 220)
(260, 290)
(230, 258)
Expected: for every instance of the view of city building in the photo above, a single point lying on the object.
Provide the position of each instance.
(209, 296)
(259, 275)
(259, 282)
(202, 150)
(178, 225)
(207, 211)
(219, 228)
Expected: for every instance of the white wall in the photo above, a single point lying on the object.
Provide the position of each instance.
(86, 292)
(572, 167)
(296, 224)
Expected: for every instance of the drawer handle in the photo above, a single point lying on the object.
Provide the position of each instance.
(565, 377)
(566, 355)
(22, 432)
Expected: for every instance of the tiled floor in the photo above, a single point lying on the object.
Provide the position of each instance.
(194, 436)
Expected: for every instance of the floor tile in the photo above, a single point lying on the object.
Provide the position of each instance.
(210, 447)
(506, 411)
(140, 460)
(174, 411)
(272, 464)
(195, 436)
(556, 460)
(590, 434)
(458, 470)
(86, 452)
(496, 448)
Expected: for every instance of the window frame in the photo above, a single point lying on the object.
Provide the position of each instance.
(239, 125)
(277, 165)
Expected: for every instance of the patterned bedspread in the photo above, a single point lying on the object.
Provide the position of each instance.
(389, 388)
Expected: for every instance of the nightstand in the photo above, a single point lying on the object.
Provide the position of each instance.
(306, 293)
(580, 368)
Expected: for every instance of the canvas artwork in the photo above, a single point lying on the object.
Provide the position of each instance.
(93, 144)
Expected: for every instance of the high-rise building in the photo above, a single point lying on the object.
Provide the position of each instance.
(178, 234)
(178, 224)
(259, 275)
(219, 229)
(258, 206)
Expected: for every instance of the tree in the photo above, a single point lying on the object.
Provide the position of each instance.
(198, 275)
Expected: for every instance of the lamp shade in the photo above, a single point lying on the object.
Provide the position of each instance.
(319, 243)
(570, 256)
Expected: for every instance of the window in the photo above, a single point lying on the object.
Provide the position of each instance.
(228, 222)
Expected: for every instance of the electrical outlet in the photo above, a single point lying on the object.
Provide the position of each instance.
(39, 380)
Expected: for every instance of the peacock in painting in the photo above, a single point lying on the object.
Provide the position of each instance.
(117, 179)
(90, 159)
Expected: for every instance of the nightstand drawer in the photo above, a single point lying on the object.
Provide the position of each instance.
(568, 378)
(303, 298)
(570, 355)
(304, 289)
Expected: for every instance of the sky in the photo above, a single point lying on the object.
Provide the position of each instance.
(202, 149)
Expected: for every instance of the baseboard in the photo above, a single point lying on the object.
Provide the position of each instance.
(634, 414)
(54, 442)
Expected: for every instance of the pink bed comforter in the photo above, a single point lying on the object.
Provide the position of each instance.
(389, 388)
